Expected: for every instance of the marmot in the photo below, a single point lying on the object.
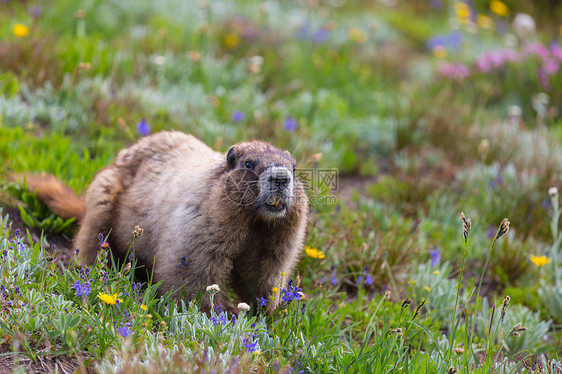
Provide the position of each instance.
(234, 219)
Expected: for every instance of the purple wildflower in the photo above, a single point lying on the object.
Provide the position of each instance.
(448, 41)
(291, 293)
(435, 256)
(290, 124)
(495, 59)
(124, 330)
(238, 116)
(251, 347)
(18, 233)
(491, 231)
(537, 49)
(221, 320)
(136, 288)
(85, 273)
(143, 127)
(183, 262)
(453, 71)
(320, 36)
(303, 31)
(368, 278)
(262, 301)
(333, 279)
(82, 289)
(556, 52)
(36, 11)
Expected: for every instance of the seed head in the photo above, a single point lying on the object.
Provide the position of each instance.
(213, 288)
(504, 228)
(466, 225)
(405, 303)
(517, 329)
(244, 307)
(138, 231)
(418, 309)
(553, 191)
(452, 370)
(504, 306)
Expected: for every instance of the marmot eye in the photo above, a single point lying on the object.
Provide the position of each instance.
(294, 169)
(249, 165)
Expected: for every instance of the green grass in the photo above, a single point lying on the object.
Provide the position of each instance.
(413, 149)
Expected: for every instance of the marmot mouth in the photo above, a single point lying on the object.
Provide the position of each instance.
(277, 207)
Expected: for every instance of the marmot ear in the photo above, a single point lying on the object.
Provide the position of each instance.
(231, 157)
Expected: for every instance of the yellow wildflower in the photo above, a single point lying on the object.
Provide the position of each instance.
(275, 289)
(313, 252)
(412, 281)
(231, 40)
(426, 288)
(436, 272)
(357, 35)
(283, 273)
(462, 10)
(540, 260)
(143, 307)
(484, 22)
(439, 51)
(20, 30)
(499, 8)
(109, 299)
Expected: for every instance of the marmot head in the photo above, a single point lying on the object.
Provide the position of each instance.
(262, 177)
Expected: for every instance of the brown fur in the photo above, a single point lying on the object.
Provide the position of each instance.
(60, 198)
(195, 203)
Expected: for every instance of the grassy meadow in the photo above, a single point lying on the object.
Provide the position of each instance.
(437, 249)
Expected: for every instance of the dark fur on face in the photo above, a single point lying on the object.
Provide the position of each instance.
(261, 177)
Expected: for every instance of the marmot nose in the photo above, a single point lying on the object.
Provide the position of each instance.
(279, 177)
